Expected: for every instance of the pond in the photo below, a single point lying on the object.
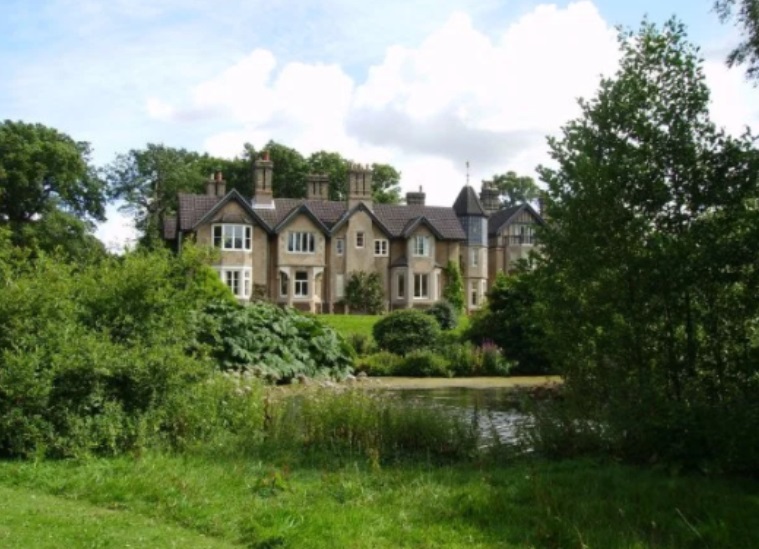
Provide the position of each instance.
(494, 407)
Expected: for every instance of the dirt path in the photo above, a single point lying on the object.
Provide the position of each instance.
(465, 382)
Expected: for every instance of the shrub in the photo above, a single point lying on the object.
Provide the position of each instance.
(362, 344)
(383, 363)
(425, 363)
(274, 343)
(453, 292)
(406, 330)
(463, 358)
(364, 293)
(445, 314)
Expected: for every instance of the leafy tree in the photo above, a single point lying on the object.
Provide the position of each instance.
(148, 181)
(44, 171)
(648, 285)
(336, 167)
(511, 321)
(445, 313)
(453, 292)
(746, 14)
(290, 171)
(364, 293)
(386, 184)
(515, 189)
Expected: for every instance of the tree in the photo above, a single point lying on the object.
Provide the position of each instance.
(650, 291)
(43, 171)
(290, 171)
(148, 182)
(334, 166)
(453, 292)
(515, 189)
(364, 293)
(386, 184)
(746, 13)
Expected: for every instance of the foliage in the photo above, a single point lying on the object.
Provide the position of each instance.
(274, 343)
(511, 320)
(290, 171)
(424, 363)
(362, 344)
(453, 292)
(336, 167)
(515, 189)
(386, 182)
(383, 363)
(746, 15)
(406, 330)
(445, 314)
(649, 288)
(364, 293)
(46, 181)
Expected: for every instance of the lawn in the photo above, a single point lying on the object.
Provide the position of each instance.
(222, 501)
(362, 324)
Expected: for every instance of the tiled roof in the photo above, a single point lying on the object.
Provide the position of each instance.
(192, 207)
(170, 228)
(467, 203)
(394, 217)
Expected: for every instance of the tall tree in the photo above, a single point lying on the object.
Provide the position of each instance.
(43, 171)
(148, 181)
(336, 167)
(652, 288)
(290, 171)
(746, 15)
(386, 182)
(515, 189)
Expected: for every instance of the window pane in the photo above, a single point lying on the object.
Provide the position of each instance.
(401, 285)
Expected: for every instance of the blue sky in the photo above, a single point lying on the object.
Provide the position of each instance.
(423, 85)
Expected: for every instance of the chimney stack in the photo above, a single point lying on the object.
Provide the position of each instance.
(221, 185)
(416, 199)
(263, 171)
(359, 185)
(317, 186)
(211, 186)
(490, 197)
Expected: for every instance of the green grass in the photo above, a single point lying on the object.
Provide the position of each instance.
(277, 503)
(351, 324)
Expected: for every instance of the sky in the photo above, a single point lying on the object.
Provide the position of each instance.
(425, 85)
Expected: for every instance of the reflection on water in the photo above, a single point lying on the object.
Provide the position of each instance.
(495, 410)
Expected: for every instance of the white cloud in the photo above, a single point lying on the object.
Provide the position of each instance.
(118, 232)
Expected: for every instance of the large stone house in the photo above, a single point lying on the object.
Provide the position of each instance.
(300, 252)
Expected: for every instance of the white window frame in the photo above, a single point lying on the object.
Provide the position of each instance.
(300, 286)
(244, 280)
(421, 286)
(421, 246)
(475, 255)
(227, 234)
(301, 242)
(360, 239)
(473, 293)
(339, 286)
(340, 246)
(381, 247)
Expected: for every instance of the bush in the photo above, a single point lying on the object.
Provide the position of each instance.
(462, 357)
(406, 330)
(445, 314)
(364, 293)
(274, 343)
(362, 344)
(425, 363)
(383, 363)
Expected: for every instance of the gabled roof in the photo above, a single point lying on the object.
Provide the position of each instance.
(361, 207)
(413, 224)
(503, 217)
(468, 204)
(302, 209)
(192, 207)
(231, 196)
(170, 228)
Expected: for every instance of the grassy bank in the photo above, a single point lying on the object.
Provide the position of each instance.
(351, 324)
(275, 502)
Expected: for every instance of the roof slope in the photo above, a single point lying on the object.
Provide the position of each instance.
(501, 217)
(468, 204)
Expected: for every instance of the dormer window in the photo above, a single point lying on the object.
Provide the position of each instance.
(233, 237)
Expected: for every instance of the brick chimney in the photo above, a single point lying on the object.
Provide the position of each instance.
(359, 185)
(490, 197)
(317, 186)
(221, 185)
(416, 199)
(263, 171)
